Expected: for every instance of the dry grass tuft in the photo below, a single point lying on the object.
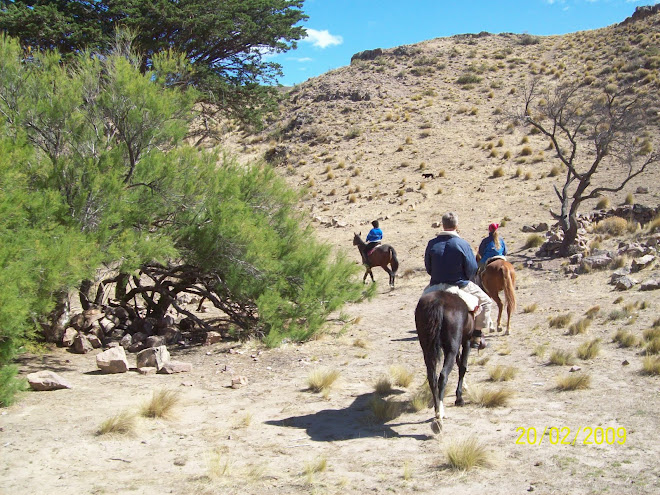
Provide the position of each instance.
(531, 308)
(579, 326)
(612, 226)
(560, 321)
(589, 350)
(573, 381)
(401, 375)
(502, 373)
(161, 404)
(122, 423)
(533, 241)
(490, 397)
(653, 347)
(361, 343)
(651, 333)
(561, 358)
(592, 311)
(498, 172)
(422, 398)
(539, 351)
(625, 338)
(316, 466)
(651, 365)
(463, 455)
(320, 380)
(383, 386)
(385, 410)
(603, 204)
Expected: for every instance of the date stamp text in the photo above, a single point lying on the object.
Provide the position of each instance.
(585, 435)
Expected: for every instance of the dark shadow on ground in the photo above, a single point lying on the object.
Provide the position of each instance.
(355, 421)
(31, 363)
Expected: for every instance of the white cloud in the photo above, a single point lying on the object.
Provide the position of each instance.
(322, 39)
(301, 59)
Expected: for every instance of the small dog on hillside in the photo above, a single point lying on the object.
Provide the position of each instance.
(428, 176)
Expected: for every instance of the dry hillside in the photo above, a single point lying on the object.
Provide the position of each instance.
(358, 140)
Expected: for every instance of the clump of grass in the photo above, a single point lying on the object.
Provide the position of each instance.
(539, 351)
(592, 311)
(313, 467)
(490, 397)
(502, 373)
(625, 338)
(533, 241)
(573, 381)
(603, 203)
(401, 376)
(588, 350)
(320, 380)
(619, 314)
(611, 226)
(579, 326)
(654, 225)
(498, 172)
(530, 308)
(651, 365)
(482, 361)
(651, 334)
(554, 171)
(383, 386)
(361, 343)
(653, 347)
(407, 471)
(560, 321)
(526, 151)
(161, 404)
(385, 410)
(422, 398)
(218, 466)
(630, 199)
(559, 357)
(463, 455)
(122, 423)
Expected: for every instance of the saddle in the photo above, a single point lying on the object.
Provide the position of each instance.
(372, 249)
(493, 258)
(471, 301)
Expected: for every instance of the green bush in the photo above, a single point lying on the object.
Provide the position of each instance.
(94, 170)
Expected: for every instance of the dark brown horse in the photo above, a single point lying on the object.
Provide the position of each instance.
(444, 326)
(498, 276)
(382, 256)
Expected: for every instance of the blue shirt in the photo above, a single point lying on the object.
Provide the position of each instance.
(487, 249)
(449, 260)
(374, 235)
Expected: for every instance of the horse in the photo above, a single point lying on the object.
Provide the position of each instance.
(499, 275)
(444, 326)
(382, 256)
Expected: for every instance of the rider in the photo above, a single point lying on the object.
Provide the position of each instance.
(449, 260)
(374, 237)
(491, 246)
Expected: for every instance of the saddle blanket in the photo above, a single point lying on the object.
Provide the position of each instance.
(493, 258)
(471, 301)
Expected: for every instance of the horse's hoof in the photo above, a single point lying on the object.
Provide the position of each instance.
(506, 333)
(436, 426)
(459, 402)
(499, 329)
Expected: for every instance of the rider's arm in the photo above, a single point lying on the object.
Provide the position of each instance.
(427, 259)
(503, 247)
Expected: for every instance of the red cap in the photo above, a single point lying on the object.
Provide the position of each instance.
(493, 227)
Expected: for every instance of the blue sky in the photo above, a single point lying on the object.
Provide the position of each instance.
(339, 28)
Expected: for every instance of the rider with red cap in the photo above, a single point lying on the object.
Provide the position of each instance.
(491, 246)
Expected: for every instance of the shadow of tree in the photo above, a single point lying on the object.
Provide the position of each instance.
(354, 421)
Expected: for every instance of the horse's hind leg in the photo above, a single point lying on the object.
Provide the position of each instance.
(500, 308)
(462, 362)
(391, 274)
(508, 317)
(447, 365)
(431, 377)
(367, 272)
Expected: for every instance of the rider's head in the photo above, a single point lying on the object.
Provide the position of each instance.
(493, 227)
(375, 224)
(449, 220)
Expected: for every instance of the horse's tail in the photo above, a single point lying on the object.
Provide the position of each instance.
(509, 289)
(395, 260)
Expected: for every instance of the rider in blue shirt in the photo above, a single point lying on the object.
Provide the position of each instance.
(374, 237)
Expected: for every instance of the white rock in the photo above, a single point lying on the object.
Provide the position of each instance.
(47, 380)
(112, 361)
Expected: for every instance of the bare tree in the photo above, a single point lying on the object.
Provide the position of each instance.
(593, 131)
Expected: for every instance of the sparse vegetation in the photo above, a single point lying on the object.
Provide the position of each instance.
(589, 350)
(464, 455)
(490, 396)
(651, 365)
(502, 373)
(625, 338)
(560, 321)
(161, 405)
(531, 308)
(614, 226)
(573, 381)
(401, 376)
(385, 410)
(533, 241)
(559, 357)
(383, 386)
(321, 379)
(122, 423)
(579, 326)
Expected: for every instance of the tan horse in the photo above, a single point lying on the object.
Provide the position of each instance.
(500, 275)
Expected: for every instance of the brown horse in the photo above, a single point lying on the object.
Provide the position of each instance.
(444, 326)
(382, 256)
(499, 275)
